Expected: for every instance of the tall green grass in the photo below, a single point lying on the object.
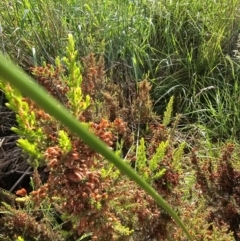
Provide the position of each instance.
(184, 47)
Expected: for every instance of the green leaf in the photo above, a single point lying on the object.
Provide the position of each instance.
(64, 141)
(168, 113)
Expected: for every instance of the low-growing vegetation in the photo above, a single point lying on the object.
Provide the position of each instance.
(158, 83)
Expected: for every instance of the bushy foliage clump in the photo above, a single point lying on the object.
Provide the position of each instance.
(90, 195)
(85, 195)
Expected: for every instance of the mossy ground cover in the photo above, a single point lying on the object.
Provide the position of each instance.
(138, 64)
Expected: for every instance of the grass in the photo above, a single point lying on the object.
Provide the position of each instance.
(187, 49)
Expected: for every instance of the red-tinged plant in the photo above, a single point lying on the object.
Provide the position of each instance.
(218, 182)
(89, 195)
